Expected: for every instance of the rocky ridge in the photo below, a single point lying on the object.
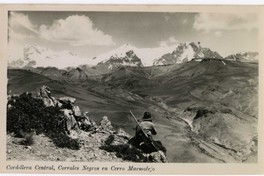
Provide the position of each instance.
(186, 52)
(88, 141)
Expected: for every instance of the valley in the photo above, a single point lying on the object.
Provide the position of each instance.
(204, 111)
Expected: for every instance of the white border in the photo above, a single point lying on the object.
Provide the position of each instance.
(180, 2)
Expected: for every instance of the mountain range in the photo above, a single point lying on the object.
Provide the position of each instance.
(125, 55)
(36, 56)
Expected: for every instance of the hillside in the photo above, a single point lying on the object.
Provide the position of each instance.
(200, 108)
(212, 95)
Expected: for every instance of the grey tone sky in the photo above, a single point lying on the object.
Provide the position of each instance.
(92, 33)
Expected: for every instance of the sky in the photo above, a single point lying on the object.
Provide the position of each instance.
(91, 33)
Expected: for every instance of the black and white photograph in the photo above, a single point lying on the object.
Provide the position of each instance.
(132, 86)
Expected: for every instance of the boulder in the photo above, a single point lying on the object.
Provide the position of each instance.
(44, 92)
(71, 123)
(67, 102)
(48, 102)
(77, 112)
(157, 157)
(106, 125)
(87, 124)
(46, 97)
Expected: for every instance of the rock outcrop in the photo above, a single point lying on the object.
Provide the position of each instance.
(45, 95)
(80, 131)
(71, 123)
(105, 125)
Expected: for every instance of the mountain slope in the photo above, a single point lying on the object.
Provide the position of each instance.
(217, 98)
(76, 75)
(97, 98)
(200, 109)
(219, 101)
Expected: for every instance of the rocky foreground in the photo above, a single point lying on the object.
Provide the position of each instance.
(69, 136)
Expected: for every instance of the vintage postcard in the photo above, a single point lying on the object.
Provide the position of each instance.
(131, 89)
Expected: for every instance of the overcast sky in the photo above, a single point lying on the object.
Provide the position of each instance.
(91, 33)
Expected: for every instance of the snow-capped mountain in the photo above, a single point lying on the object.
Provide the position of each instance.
(125, 55)
(127, 59)
(146, 55)
(155, 56)
(36, 56)
(186, 52)
(243, 57)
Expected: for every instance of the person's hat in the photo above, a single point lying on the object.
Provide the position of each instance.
(147, 116)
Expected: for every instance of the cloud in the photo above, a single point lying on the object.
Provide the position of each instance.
(75, 30)
(218, 22)
(20, 27)
(170, 41)
(18, 19)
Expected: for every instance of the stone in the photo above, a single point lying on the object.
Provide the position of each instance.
(45, 92)
(157, 157)
(28, 147)
(76, 110)
(67, 99)
(45, 95)
(71, 123)
(106, 124)
(85, 123)
(67, 102)
(48, 102)
(121, 133)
